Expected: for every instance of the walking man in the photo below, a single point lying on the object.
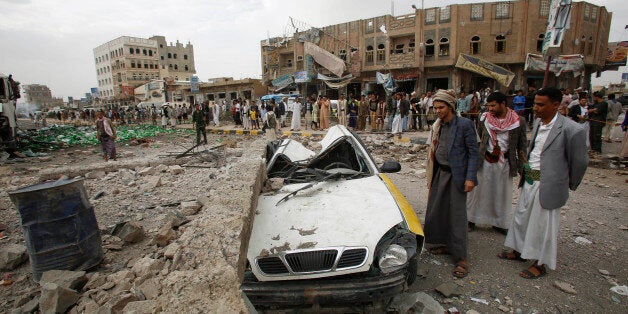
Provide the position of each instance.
(614, 110)
(342, 110)
(597, 118)
(451, 172)
(106, 134)
(198, 119)
(557, 161)
(502, 136)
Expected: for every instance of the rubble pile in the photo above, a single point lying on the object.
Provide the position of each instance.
(174, 233)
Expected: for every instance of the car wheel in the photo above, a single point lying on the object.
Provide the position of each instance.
(413, 268)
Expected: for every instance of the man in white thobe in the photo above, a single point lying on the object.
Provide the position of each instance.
(502, 136)
(557, 161)
(296, 116)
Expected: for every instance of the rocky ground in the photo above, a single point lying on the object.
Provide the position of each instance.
(172, 234)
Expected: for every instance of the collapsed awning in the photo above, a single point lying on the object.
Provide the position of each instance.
(325, 58)
(485, 68)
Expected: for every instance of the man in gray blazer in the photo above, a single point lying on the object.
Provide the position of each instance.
(557, 161)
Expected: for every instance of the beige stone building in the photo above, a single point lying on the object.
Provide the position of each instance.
(40, 95)
(500, 33)
(125, 63)
(224, 89)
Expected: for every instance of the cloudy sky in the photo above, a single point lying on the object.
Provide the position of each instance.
(50, 42)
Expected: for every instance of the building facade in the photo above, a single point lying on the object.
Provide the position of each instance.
(127, 62)
(421, 49)
(40, 95)
(224, 89)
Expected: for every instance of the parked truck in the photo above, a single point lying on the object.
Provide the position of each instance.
(9, 93)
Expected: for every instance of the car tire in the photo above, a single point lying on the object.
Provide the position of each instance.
(413, 268)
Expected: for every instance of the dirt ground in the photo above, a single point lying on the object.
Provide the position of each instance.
(596, 211)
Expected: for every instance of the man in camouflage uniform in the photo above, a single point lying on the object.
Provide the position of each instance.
(198, 118)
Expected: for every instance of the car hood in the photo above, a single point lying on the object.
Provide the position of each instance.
(343, 213)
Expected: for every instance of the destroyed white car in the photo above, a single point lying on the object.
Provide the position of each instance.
(337, 232)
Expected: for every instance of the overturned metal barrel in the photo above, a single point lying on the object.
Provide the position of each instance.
(59, 226)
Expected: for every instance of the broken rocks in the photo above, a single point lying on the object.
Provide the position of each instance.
(12, 256)
(190, 208)
(147, 266)
(56, 299)
(565, 287)
(130, 232)
(65, 278)
(141, 307)
(164, 235)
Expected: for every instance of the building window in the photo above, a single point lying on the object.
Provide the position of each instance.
(169, 55)
(369, 54)
(590, 45)
(145, 65)
(150, 53)
(445, 14)
(186, 67)
(477, 12)
(544, 8)
(132, 64)
(430, 16)
(176, 67)
(502, 10)
(342, 53)
(593, 14)
(144, 52)
(539, 42)
(185, 57)
(475, 45)
(137, 51)
(398, 48)
(587, 12)
(411, 46)
(369, 26)
(288, 63)
(161, 45)
(174, 56)
(162, 57)
(500, 44)
(381, 53)
(443, 47)
(429, 48)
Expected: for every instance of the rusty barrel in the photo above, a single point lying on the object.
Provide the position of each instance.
(59, 226)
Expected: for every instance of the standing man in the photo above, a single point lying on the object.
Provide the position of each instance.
(271, 125)
(519, 103)
(106, 134)
(614, 110)
(597, 118)
(363, 112)
(451, 172)
(198, 119)
(528, 114)
(342, 110)
(373, 110)
(502, 136)
(415, 106)
(282, 110)
(428, 107)
(462, 105)
(557, 161)
(295, 124)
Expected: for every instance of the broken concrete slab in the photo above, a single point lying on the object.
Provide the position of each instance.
(65, 278)
(176, 218)
(190, 207)
(448, 289)
(130, 232)
(56, 299)
(150, 288)
(12, 256)
(565, 287)
(154, 182)
(147, 266)
(141, 307)
(417, 302)
(164, 235)
(171, 250)
(31, 306)
(118, 303)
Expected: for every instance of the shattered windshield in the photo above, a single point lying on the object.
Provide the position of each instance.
(341, 159)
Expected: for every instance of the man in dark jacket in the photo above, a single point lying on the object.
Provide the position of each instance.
(597, 118)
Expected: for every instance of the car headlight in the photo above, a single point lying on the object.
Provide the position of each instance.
(393, 258)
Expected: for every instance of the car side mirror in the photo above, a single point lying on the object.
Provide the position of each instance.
(390, 166)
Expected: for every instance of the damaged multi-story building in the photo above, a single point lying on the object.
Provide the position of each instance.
(439, 47)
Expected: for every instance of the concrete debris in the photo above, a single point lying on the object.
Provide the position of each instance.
(65, 278)
(141, 307)
(146, 171)
(154, 182)
(273, 184)
(12, 256)
(171, 250)
(448, 289)
(472, 312)
(56, 299)
(147, 266)
(604, 272)
(150, 288)
(161, 168)
(583, 241)
(175, 169)
(130, 232)
(417, 302)
(504, 308)
(164, 235)
(98, 174)
(118, 303)
(622, 290)
(565, 287)
(190, 208)
(95, 281)
(176, 218)
(31, 306)
(479, 300)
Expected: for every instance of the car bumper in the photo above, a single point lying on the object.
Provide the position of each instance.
(343, 290)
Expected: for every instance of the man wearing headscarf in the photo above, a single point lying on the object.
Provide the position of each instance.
(451, 172)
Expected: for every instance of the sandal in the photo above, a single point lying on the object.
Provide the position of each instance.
(533, 272)
(440, 250)
(462, 269)
(511, 256)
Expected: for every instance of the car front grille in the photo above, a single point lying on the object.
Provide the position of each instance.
(272, 265)
(312, 261)
(351, 258)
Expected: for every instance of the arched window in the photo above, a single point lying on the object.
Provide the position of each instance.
(443, 47)
(176, 67)
(500, 44)
(539, 42)
(169, 55)
(429, 47)
(186, 67)
(474, 47)
(185, 57)
(369, 54)
(137, 51)
(174, 56)
(144, 52)
(381, 53)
